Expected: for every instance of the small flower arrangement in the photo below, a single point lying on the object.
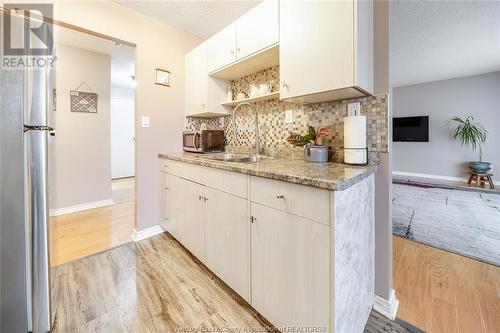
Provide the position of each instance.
(312, 137)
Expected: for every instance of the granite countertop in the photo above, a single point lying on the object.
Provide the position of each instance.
(330, 176)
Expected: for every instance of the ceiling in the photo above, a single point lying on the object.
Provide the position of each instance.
(122, 56)
(438, 40)
(200, 18)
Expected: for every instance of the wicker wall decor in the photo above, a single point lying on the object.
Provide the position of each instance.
(81, 101)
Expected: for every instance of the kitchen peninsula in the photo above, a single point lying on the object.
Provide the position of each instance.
(292, 238)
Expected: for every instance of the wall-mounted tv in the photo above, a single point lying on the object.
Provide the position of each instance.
(410, 129)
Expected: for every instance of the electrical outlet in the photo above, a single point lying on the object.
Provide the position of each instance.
(289, 116)
(145, 121)
(354, 109)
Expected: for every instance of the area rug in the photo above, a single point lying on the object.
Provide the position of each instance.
(463, 222)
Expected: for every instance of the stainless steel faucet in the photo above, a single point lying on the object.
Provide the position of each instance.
(257, 142)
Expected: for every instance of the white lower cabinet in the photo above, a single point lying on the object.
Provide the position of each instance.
(290, 268)
(227, 239)
(163, 198)
(277, 260)
(183, 212)
(213, 225)
(191, 216)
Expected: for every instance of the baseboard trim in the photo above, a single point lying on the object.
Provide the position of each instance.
(429, 176)
(79, 208)
(387, 307)
(139, 235)
(122, 177)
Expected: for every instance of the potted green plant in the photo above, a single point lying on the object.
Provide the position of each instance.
(314, 148)
(472, 134)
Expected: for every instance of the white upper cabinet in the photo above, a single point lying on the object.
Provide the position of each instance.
(204, 94)
(196, 80)
(257, 29)
(326, 50)
(221, 48)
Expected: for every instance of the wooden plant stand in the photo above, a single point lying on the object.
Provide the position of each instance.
(481, 179)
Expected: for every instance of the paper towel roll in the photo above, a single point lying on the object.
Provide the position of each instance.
(355, 132)
(354, 156)
(355, 140)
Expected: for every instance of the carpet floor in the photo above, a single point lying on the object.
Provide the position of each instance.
(463, 222)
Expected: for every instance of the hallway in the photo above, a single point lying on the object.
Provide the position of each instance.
(76, 235)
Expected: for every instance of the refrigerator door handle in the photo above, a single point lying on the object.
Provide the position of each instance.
(38, 96)
(37, 170)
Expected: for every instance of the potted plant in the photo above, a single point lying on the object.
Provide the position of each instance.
(315, 150)
(472, 134)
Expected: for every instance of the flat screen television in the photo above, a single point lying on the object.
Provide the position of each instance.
(410, 129)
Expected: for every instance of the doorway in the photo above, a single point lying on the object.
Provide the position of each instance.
(92, 156)
(122, 117)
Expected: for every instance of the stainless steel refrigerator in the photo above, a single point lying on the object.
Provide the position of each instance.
(26, 104)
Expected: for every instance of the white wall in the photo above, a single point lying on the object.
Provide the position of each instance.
(80, 168)
(477, 95)
(383, 181)
(122, 132)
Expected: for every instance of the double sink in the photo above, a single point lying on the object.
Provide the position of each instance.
(235, 158)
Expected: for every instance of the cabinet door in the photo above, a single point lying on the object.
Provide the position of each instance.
(190, 218)
(196, 80)
(221, 48)
(171, 192)
(316, 46)
(257, 29)
(227, 239)
(163, 199)
(290, 268)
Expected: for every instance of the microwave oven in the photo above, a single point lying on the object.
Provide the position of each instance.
(203, 141)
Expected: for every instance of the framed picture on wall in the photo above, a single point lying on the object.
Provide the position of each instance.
(83, 102)
(162, 77)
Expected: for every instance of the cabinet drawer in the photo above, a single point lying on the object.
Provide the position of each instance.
(183, 170)
(227, 181)
(308, 202)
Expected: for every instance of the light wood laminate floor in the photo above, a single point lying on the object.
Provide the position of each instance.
(155, 285)
(440, 291)
(76, 235)
(151, 286)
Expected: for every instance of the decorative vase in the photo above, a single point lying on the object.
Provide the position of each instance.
(480, 167)
(316, 153)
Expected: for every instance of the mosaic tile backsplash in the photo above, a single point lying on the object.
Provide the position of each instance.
(273, 130)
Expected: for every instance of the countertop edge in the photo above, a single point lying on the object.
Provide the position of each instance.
(332, 185)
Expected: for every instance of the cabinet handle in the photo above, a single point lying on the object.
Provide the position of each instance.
(205, 199)
(232, 52)
(200, 197)
(238, 50)
(167, 188)
(167, 218)
(285, 85)
(252, 219)
(280, 196)
(166, 165)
